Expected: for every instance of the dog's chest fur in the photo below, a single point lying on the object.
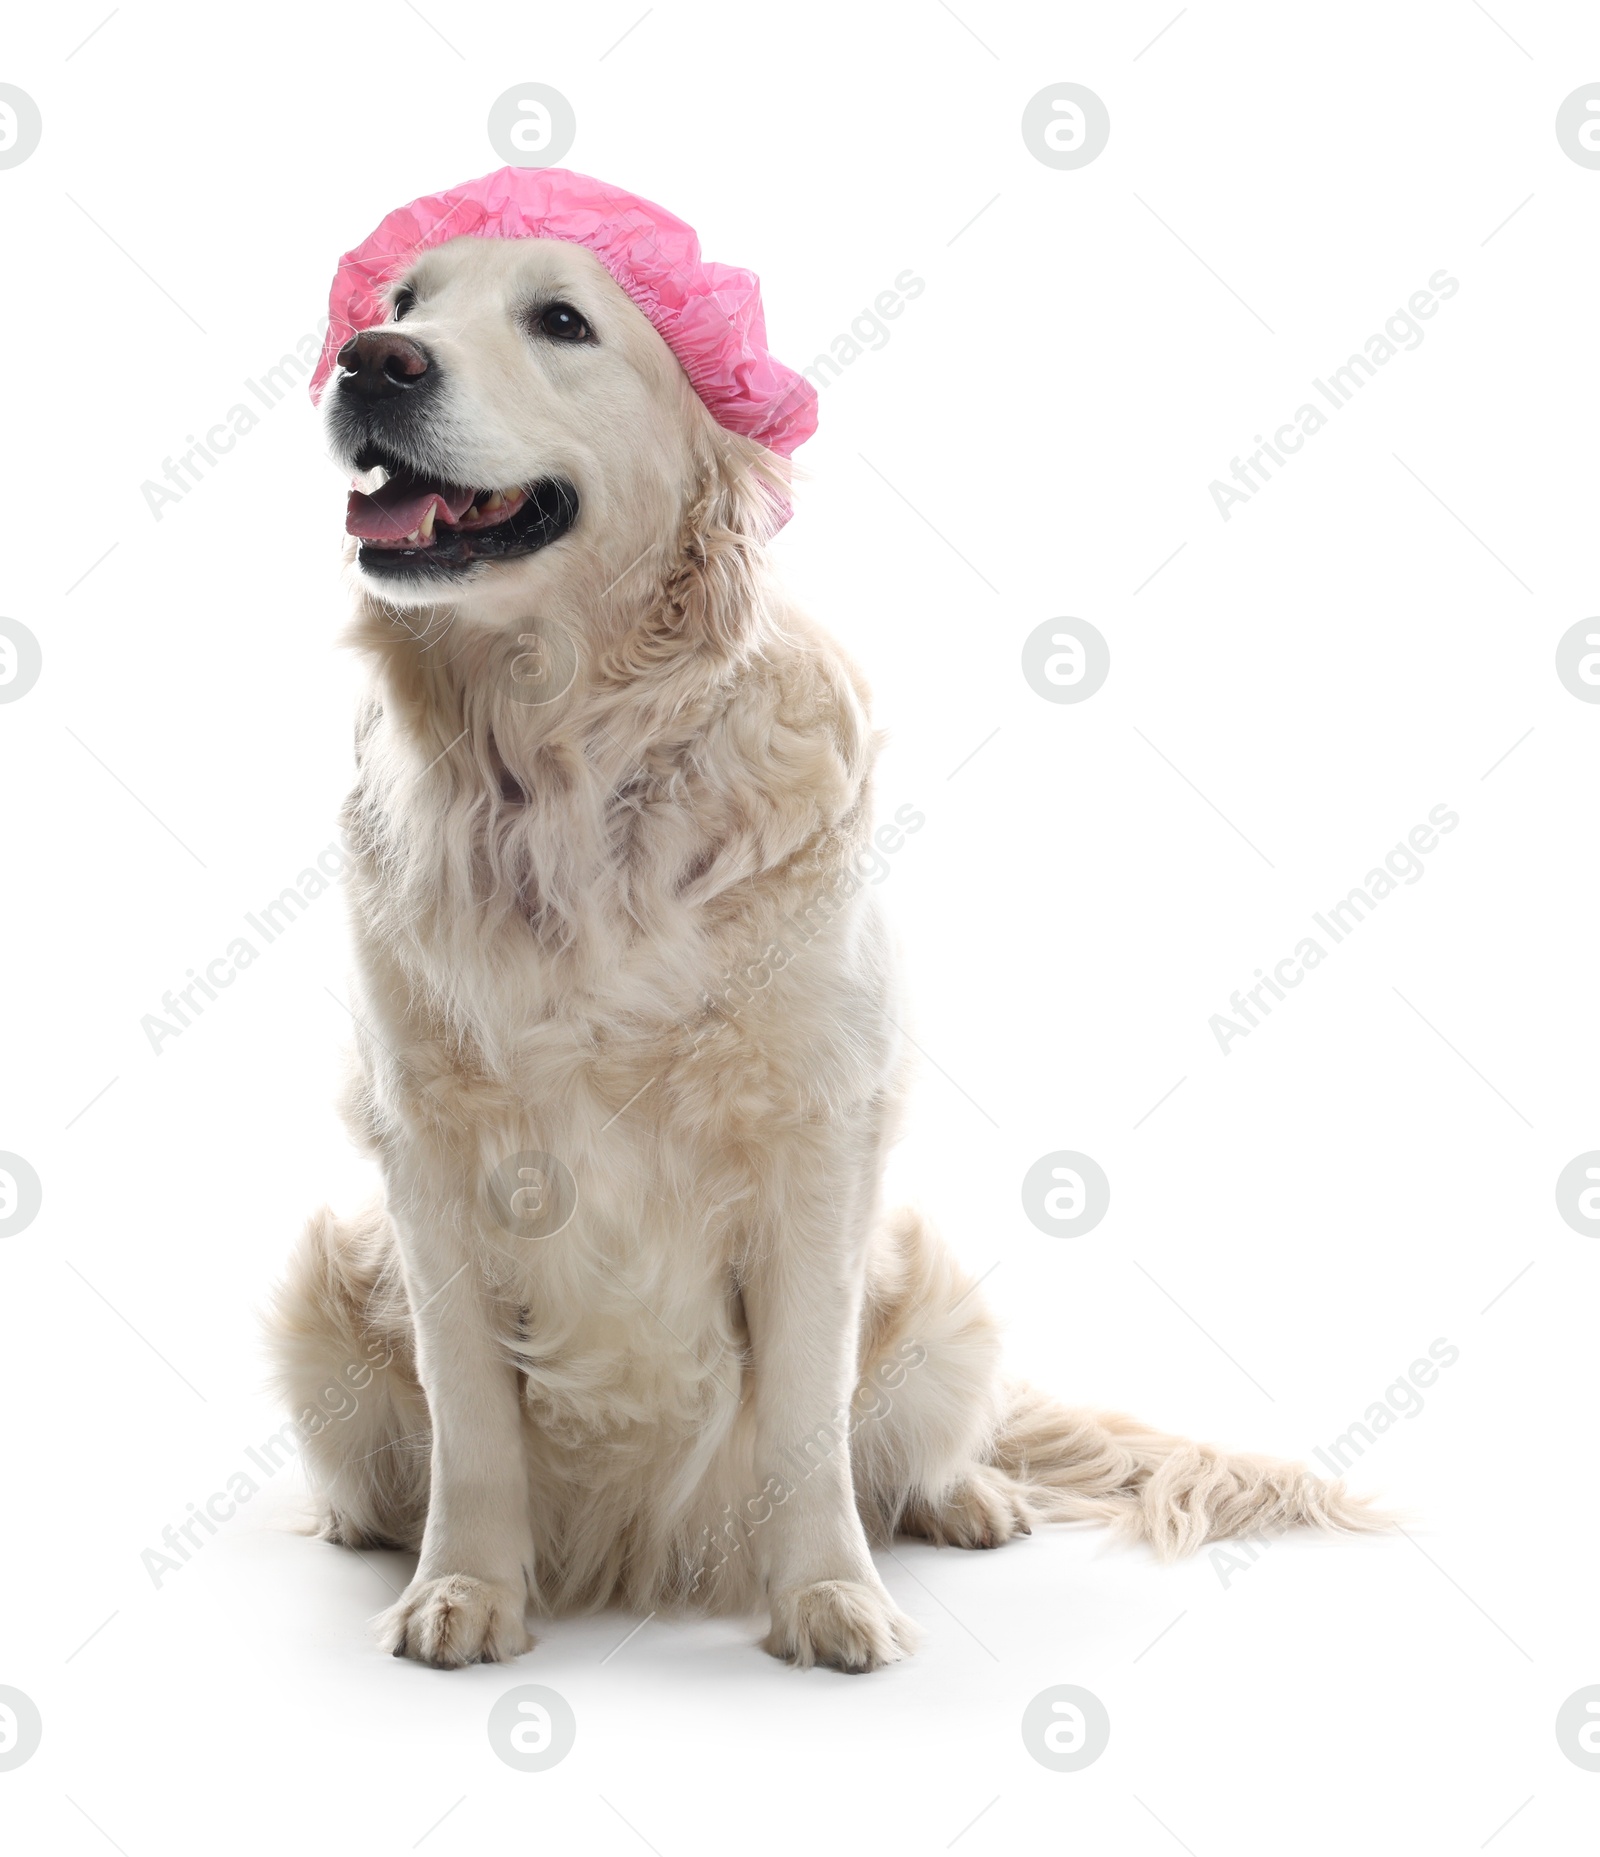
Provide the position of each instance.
(590, 881)
(574, 939)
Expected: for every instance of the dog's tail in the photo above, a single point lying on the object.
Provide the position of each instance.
(1071, 1466)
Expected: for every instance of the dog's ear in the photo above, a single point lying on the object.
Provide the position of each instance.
(712, 595)
(713, 591)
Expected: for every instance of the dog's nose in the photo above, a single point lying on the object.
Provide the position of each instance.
(380, 363)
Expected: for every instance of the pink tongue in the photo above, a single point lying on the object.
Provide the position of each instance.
(398, 508)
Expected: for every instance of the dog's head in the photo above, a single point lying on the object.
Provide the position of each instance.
(517, 422)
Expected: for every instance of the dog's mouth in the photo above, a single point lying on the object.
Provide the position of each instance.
(407, 522)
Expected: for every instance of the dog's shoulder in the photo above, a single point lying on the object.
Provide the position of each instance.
(801, 716)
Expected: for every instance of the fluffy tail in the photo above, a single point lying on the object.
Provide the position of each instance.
(1070, 1466)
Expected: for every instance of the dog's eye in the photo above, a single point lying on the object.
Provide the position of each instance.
(405, 302)
(562, 323)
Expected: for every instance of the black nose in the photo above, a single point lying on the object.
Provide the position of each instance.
(380, 363)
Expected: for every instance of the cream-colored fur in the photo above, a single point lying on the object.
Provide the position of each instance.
(622, 928)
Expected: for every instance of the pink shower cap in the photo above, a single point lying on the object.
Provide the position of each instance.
(709, 315)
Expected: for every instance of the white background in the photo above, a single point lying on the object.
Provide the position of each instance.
(1297, 1221)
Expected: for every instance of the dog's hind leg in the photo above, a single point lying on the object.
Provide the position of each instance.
(943, 1446)
(929, 1399)
(341, 1339)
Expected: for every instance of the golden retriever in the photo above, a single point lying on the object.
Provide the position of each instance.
(629, 1325)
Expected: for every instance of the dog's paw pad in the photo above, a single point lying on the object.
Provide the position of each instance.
(457, 1620)
(842, 1623)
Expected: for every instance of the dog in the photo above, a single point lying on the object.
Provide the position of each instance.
(629, 1325)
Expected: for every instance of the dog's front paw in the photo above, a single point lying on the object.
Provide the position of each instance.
(845, 1624)
(457, 1620)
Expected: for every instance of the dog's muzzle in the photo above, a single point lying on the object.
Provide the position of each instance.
(413, 517)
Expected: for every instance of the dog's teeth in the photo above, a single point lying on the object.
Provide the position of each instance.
(425, 530)
(493, 501)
